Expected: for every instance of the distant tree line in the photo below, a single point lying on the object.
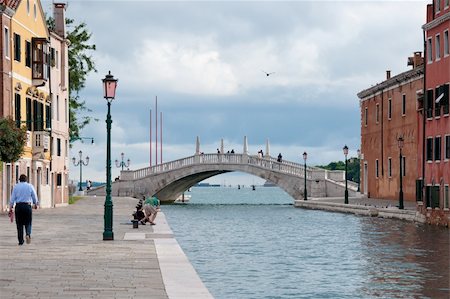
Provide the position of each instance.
(352, 168)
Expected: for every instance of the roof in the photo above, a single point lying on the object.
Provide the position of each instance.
(403, 77)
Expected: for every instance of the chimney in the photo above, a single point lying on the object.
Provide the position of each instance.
(60, 18)
(416, 60)
(388, 75)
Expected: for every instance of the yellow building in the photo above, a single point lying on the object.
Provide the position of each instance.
(32, 60)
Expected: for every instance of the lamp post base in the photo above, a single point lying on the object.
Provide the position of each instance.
(108, 236)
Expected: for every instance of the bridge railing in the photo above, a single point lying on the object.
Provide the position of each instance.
(238, 159)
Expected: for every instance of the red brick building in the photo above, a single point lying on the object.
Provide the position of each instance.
(434, 120)
(388, 111)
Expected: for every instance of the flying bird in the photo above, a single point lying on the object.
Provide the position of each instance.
(267, 74)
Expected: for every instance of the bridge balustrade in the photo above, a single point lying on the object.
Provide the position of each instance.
(288, 167)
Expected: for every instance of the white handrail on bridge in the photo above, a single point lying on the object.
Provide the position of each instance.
(237, 159)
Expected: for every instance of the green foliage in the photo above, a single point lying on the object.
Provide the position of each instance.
(12, 140)
(80, 65)
(352, 168)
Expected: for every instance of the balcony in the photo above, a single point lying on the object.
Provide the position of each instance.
(41, 142)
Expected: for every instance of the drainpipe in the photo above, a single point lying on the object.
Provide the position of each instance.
(425, 104)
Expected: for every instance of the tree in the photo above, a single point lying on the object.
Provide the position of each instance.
(12, 140)
(352, 168)
(80, 65)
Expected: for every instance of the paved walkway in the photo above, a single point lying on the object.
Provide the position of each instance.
(68, 258)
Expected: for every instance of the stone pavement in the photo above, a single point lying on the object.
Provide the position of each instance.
(67, 257)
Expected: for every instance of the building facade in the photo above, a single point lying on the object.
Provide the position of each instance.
(30, 48)
(434, 120)
(388, 111)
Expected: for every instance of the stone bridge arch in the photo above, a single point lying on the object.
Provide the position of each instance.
(167, 181)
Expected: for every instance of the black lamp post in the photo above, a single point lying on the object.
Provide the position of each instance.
(109, 85)
(400, 141)
(305, 156)
(359, 162)
(81, 163)
(345, 149)
(122, 164)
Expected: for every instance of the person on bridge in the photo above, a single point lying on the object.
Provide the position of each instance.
(280, 158)
(151, 208)
(23, 196)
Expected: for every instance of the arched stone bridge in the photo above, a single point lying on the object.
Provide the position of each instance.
(169, 180)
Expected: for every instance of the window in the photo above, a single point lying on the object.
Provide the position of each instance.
(58, 147)
(389, 108)
(52, 57)
(447, 147)
(17, 109)
(29, 114)
(377, 113)
(40, 58)
(365, 116)
(47, 176)
(57, 107)
(438, 47)
(48, 117)
(437, 148)
(6, 41)
(17, 49)
(58, 179)
(38, 116)
(437, 5)
(444, 98)
(65, 109)
(57, 59)
(435, 196)
(27, 53)
(35, 11)
(429, 50)
(446, 3)
(429, 101)
(430, 149)
(437, 102)
(403, 104)
(376, 168)
(446, 197)
(390, 167)
(446, 43)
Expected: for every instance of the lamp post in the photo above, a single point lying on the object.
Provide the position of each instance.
(109, 85)
(122, 164)
(305, 156)
(400, 141)
(81, 163)
(345, 149)
(359, 162)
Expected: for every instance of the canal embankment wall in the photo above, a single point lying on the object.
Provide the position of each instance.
(386, 211)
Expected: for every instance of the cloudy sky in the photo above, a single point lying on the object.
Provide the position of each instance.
(205, 60)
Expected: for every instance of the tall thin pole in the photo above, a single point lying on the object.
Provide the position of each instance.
(161, 136)
(346, 189)
(108, 233)
(156, 120)
(400, 195)
(150, 137)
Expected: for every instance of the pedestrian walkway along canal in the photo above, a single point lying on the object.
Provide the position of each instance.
(67, 257)
(255, 244)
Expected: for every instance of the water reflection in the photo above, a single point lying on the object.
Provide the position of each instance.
(405, 260)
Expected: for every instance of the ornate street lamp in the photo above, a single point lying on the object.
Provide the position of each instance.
(305, 156)
(109, 86)
(81, 163)
(359, 168)
(122, 164)
(345, 149)
(400, 141)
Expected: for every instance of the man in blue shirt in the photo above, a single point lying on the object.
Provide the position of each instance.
(23, 196)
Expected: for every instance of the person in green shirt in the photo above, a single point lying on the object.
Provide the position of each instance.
(151, 208)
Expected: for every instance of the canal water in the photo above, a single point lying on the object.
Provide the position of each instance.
(255, 244)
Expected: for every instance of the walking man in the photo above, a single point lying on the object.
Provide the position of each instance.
(23, 196)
